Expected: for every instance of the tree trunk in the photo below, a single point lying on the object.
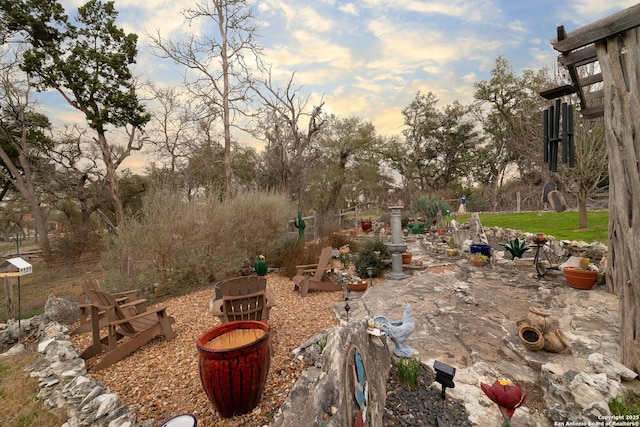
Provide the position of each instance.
(619, 57)
(582, 208)
(23, 181)
(112, 176)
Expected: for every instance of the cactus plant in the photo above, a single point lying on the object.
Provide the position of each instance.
(260, 265)
(584, 263)
(300, 225)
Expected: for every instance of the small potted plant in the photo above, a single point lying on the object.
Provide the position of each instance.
(478, 259)
(581, 277)
(440, 224)
(344, 256)
(452, 250)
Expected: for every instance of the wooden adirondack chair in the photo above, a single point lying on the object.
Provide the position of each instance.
(244, 298)
(124, 298)
(126, 332)
(316, 276)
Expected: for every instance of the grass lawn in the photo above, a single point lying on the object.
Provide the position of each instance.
(561, 225)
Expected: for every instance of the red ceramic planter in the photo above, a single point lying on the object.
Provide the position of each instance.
(234, 362)
(579, 278)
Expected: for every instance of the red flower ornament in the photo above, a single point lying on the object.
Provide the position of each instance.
(508, 396)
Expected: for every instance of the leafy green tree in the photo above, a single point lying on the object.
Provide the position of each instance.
(422, 120)
(511, 116)
(339, 147)
(88, 64)
(439, 144)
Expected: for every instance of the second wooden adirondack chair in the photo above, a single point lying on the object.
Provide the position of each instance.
(124, 298)
(126, 332)
(317, 276)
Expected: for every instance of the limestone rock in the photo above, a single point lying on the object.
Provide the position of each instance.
(61, 310)
(613, 369)
(318, 389)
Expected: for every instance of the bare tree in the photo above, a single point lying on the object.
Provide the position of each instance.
(173, 126)
(591, 167)
(19, 129)
(217, 70)
(288, 141)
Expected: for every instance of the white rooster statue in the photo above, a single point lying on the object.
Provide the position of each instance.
(399, 331)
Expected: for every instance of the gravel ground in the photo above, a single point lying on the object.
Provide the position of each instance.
(422, 404)
(161, 379)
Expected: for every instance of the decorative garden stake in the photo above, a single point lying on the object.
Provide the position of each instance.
(300, 225)
(507, 396)
(260, 265)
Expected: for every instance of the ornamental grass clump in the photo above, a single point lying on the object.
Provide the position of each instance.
(409, 370)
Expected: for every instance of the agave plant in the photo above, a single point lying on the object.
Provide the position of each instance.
(516, 247)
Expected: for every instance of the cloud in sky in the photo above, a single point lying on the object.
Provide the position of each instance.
(369, 58)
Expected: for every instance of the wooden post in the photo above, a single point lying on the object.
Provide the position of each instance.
(619, 57)
(8, 291)
(518, 201)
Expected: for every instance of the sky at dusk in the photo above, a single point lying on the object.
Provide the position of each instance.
(369, 58)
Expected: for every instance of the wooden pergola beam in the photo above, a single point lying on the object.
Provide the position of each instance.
(598, 30)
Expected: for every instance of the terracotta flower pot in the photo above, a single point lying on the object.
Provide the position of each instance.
(478, 262)
(539, 319)
(530, 337)
(556, 341)
(358, 287)
(406, 258)
(234, 362)
(580, 279)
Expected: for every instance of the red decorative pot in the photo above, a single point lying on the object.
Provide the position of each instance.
(234, 362)
(579, 278)
(366, 225)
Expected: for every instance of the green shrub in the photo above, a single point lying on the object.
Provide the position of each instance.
(428, 207)
(367, 257)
